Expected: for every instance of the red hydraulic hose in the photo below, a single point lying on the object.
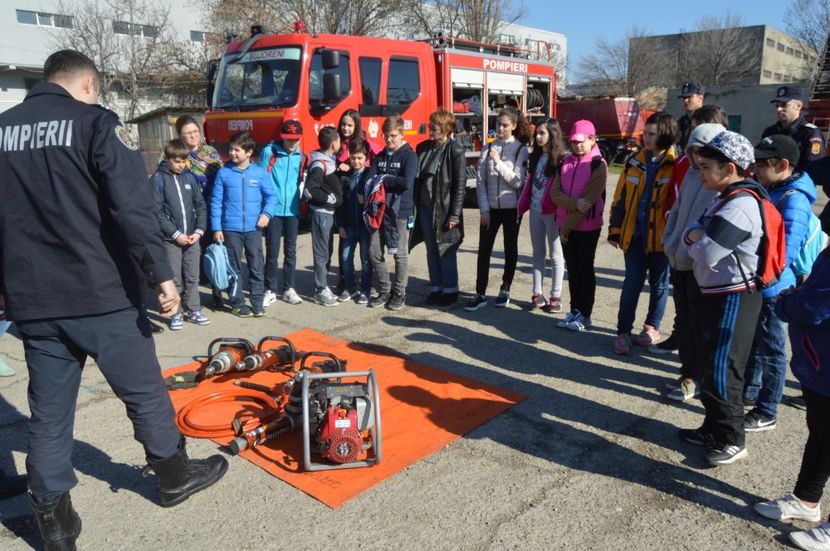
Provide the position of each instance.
(269, 404)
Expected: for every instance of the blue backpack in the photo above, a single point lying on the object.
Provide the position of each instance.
(218, 269)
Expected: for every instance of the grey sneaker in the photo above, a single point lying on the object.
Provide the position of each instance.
(291, 297)
(361, 298)
(687, 390)
(396, 302)
(379, 300)
(788, 507)
(476, 303)
(755, 421)
(325, 298)
(346, 296)
(814, 539)
(725, 454)
(502, 300)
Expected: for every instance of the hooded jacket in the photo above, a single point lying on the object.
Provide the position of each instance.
(793, 199)
(286, 173)
(401, 165)
(498, 183)
(322, 183)
(581, 177)
(731, 224)
(179, 203)
(807, 311)
(691, 203)
(239, 196)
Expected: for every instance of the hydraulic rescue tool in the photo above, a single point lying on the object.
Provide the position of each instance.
(281, 358)
(229, 355)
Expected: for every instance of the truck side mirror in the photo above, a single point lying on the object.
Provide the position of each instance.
(332, 88)
(331, 59)
(210, 74)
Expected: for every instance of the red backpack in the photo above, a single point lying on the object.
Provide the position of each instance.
(772, 250)
(374, 203)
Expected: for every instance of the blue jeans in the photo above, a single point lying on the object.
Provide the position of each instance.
(766, 368)
(637, 263)
(4, 326)
(251, 241)
(285, 227)
(354, 236)
(443, 270)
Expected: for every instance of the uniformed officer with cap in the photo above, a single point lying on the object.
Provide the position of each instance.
(692, 96)
(76, 223)
(788, 104)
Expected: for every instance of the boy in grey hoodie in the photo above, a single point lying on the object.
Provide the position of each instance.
(691, 203)
(723, 246)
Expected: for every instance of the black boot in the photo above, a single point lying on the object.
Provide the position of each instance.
(180, 477)
(58, 523)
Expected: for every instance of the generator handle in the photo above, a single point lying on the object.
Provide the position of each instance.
(231, 340)
(324, 355)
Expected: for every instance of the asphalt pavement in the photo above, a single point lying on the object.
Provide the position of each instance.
(591, 460)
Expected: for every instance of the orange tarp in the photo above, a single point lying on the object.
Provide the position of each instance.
(422, 410)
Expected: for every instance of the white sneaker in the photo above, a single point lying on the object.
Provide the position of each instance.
(788, 507)
(815, 539)
(269, 298)
(291, 297)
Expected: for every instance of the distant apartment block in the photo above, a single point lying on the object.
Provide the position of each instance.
(759, 55)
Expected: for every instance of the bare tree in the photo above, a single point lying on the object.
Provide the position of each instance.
(622, 67)
(719, 52)
(478, 20)
(126, 39)
(809, 22)
(352, 17)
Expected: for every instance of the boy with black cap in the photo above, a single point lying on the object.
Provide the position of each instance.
(789, 101)
(792, 193)
(723, 246)
(285, 162)
(692, 95)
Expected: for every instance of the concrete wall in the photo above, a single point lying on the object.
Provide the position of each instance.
(785, 59)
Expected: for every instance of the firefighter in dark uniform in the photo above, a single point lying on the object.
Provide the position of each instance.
(76, 220)
(691, 94)
(788, 104)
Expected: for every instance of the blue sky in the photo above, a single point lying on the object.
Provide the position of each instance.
(584, 22)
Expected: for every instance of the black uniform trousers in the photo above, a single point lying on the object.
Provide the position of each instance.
(687, 328)
(727, 329)
(56, 350)
(815, 463)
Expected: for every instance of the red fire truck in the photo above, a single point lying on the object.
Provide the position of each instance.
(314, 78)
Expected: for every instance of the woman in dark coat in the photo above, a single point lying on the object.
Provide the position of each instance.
(439, 195)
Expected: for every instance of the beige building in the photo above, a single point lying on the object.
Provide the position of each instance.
(757, 54)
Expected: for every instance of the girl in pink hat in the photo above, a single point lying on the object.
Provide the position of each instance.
(579, 195)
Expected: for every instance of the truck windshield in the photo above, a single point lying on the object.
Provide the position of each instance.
(261, 78)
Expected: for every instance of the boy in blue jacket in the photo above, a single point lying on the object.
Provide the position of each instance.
(182, 216)
(285, 163)
(807, 311)
(791, 193)
(242, 203)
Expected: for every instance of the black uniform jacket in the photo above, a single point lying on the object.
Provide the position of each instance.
(76, 211)
(808, 137)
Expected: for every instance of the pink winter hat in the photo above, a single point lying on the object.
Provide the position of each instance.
(581, 130)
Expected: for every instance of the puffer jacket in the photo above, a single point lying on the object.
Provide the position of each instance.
(239, 197)
(627, 199)
(793, 199)
(179, 203)
(807, 311)
(498, 184)
(581, 177)
(286, 173)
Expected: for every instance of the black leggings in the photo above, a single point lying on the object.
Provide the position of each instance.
(487, 237)
(580, 252)
(815, 463)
